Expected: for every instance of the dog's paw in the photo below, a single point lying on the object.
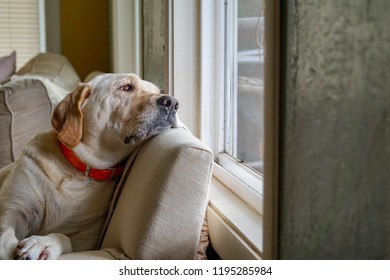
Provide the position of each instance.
(32, 248)
(48, 247)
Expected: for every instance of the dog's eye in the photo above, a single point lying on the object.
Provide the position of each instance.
(126, 88)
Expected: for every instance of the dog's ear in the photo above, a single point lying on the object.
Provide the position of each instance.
(67, 117)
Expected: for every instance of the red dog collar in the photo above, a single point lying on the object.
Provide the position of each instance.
(96, 174)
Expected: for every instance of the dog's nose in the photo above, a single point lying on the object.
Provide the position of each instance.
(169, 103)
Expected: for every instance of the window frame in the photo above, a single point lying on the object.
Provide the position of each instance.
(216, 76)
(42, 25)
(227, 170)
(192, 72)
(126, 30)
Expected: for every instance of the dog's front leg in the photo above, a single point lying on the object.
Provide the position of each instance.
(8, 242)
(9, 220)
(48, 247)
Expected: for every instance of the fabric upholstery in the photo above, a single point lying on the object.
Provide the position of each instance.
(55, 67)
(7, 67)
(105, 254)
(204, 240)
(160, 211)
(25, 109)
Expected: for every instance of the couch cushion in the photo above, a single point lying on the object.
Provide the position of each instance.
(25, 109)
(7, 67)
(105, 254)
(53, 66)
(160, 211)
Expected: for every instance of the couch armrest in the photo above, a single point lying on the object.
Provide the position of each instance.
(160, 211)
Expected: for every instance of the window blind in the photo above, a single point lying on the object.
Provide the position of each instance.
(19, 29)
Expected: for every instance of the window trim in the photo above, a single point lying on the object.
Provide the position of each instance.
(182, 20)
(126, 32)
(229, 175)
(42, 25)
(230, 221)
(231, 71)
(213, 84)
(201, 83)
(213, 132)
(211, 77)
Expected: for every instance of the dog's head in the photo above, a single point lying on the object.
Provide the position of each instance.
(114, 109)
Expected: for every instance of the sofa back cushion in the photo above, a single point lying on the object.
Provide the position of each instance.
(25, 109)
(55, 67)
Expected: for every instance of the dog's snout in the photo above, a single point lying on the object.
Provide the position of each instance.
(169, 103)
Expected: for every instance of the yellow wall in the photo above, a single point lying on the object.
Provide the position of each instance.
(85, 35)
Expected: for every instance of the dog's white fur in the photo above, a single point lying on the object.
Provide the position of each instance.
(47, 207)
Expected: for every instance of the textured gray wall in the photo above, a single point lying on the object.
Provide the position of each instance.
(153, 42)
(335, 142)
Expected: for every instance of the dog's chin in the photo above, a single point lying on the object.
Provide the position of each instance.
(139, 137)
(141, 132)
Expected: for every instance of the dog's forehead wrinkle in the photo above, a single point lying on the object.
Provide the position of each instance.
(115, 81)
(124, 81)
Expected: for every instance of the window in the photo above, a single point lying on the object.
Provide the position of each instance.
(22, 28)
(244, 58)
(233, 87)
(216, 58)
(232, 68)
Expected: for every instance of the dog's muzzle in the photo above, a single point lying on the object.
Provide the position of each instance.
(165, 119)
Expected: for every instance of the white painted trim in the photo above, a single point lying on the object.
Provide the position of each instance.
(244, 190)
(126, 36)
(168, 51)
(212, 74)
(231, 74)
(136, 37)
(228, 240)
(244, 221)
(185, 47)
(42, 26)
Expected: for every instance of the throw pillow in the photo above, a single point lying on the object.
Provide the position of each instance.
(7, 67)
(25, 109)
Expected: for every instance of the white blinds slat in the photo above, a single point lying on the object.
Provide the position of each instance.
(19, 29)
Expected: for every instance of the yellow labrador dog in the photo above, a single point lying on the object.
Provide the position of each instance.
(54, 198)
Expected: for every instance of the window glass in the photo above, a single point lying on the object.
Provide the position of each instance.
(244, 47)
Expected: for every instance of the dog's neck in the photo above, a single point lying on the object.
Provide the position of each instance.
(102, 156)
(101, 147)
(108, 174)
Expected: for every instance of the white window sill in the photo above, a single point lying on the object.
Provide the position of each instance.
(236, 230)
(240, 180)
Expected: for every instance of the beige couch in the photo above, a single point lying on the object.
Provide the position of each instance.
(158, 209)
